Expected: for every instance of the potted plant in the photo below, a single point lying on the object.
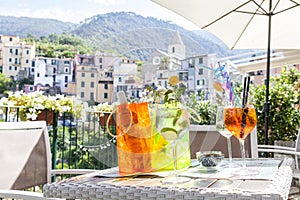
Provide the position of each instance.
(104, 110)
(36, 106)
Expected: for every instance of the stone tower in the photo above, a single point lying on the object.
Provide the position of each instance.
(176, 47)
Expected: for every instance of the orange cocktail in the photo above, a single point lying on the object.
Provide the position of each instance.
(135, 138)
(240, 121)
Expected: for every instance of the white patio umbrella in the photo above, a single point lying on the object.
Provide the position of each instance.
(245, 24)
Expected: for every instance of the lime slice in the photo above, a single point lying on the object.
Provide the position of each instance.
(169, 135)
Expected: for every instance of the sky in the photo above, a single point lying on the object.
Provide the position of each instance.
(78, 10)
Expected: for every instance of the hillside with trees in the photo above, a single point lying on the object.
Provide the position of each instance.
(125, 33)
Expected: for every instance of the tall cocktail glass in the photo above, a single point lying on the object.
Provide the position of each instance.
(172, 122)
(240, 121)
(220, 126)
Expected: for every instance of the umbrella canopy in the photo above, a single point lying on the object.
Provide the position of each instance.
(245, 24)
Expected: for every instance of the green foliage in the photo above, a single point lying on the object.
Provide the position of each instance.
(205, 109)
(63, 45)
(284, 106)
(4, 83)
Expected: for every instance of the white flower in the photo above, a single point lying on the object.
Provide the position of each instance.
(32, 116)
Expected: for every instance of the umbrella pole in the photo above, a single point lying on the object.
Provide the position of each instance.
(267, 102)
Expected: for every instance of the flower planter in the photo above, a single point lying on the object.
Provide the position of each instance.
(103, 117)
(46, 115)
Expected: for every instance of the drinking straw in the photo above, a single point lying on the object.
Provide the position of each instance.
(246, 90)
(223, 76)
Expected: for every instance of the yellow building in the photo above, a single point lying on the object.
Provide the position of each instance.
(16, 57)
(94, 81)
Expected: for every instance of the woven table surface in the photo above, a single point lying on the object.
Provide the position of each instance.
(104, 185)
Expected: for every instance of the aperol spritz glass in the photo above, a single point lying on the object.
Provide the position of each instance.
(240, 121)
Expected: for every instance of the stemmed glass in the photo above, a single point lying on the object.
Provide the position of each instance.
(240, 121)
(224, 132)
(172, 122)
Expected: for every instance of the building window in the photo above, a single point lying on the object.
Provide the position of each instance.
(82, 94)
(17, 52)
(106, 86)
(32, 63)
(200, 60)
(16, 61)
(10, 50)
(66, 79)
(92, 75)
(100, 60)
(46, 75)
(66, 69)
(27, 61)
(92, 84)
(200, 71)
(183, 76)
(105, 95)
(38, 74)
(9, 60)
(173, 49)
(27, 51)
(120, 79)
(159, 83)
(200, 82)
(92, 96)
(66, 62)
(10, 68)
(54, 70)
(100, 66)
(10, 39)
(82, 68)
(82, 74)
(82, 83)
(16, 68)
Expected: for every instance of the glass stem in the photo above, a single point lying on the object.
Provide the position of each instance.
(229, 149)
(174, 158)
(242, 142)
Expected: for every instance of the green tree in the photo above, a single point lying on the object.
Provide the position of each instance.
(284, 106)
(204, 108)
(63, 45)
(4, 83)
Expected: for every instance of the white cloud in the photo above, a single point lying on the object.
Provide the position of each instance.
(65, 15)
(108, 2)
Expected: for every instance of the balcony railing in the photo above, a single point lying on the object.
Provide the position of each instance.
(76, 144)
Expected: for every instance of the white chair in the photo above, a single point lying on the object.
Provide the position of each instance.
(288, 151)
(26, 159)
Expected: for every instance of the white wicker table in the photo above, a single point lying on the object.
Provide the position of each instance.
(99, 185)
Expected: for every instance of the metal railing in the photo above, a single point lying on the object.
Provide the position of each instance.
(76, 144)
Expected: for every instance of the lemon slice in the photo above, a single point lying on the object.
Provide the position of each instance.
(217, 86)
(173, 80)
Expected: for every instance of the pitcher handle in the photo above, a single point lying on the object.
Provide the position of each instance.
(191, 110)
(109, 118)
